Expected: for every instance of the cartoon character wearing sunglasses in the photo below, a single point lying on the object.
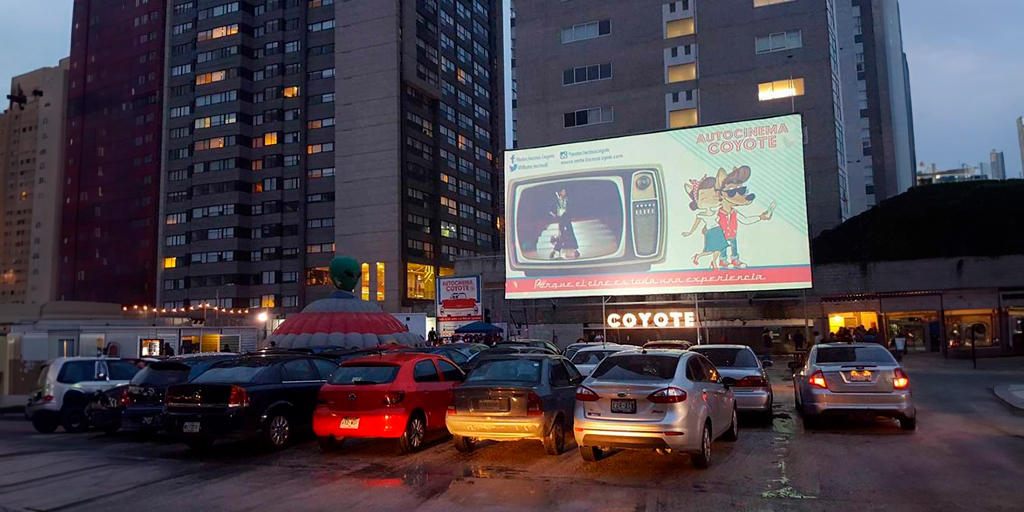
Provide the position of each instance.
(735, 195)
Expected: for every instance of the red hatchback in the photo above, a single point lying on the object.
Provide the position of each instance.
(398, 395)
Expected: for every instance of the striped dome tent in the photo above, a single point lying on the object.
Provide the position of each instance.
(343, 320)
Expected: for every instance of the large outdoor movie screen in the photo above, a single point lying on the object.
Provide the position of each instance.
(708, 209)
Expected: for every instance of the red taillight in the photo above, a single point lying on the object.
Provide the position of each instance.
(239, 397)
(752, 381)
(672, 433)
(534, 405)
(900, 380)
(452, 410)
(48, 398)
(585, 394)
(125, 397)
(818, 380)
(393, 398)
(667, 396)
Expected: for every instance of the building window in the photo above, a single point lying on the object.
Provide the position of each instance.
(765, 3)
(585, 74)
(679, 28)
(290, 301)
(217, 33)
(267, 301)
(291, 92)
(323, 25)
(420, 281)
(682, 73)
(313, 149)
(171, 262)
(780, 89)
(176, 218)
(365, 267)
(183, 69)
(779, 41)
(380, 281)
(585, 31)
(589, 116)
(682, 118)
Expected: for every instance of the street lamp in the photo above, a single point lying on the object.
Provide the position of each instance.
(262, 317)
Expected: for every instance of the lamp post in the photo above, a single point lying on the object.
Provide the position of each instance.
(263, 318)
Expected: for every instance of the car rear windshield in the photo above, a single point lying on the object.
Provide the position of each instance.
(591, 356)
(365, 374)
(850, 355)
(161, 374)
(514, 370)
(641, 367)
(234, 371)
(729, 357)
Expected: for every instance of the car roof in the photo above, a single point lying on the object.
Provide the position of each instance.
(841, 345)
(652, 342)
(523, 355)
(606, 346)
(722, 345)
(392, 357)
(654, 351)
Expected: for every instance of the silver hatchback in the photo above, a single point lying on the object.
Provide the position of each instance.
(851, 378)
(654, 400)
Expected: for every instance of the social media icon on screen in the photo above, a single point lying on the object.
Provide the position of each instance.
(564, 155)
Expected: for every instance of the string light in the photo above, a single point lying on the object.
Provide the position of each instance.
(145, 309)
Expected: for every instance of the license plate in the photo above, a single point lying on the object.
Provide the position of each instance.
(624, 406)
(492, 405)
(190, 427)
(860, 376)
(147, 420)
(349, 423)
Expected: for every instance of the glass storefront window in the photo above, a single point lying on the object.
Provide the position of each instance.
(317, 276)
(965, 329)
(868, 319)
(419, 281)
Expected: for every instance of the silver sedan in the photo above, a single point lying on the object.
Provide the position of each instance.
(654, 400)
(853, 378)
(749, 382)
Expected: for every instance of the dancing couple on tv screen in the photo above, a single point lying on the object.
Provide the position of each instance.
(564, 245)
(718, 202)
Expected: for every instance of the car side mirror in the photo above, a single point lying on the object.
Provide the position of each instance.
(728, 382)
(795, 365)
(767, 364)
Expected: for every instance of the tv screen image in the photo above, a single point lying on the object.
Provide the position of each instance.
(713, 208)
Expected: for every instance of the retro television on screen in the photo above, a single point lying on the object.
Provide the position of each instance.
(593, 218)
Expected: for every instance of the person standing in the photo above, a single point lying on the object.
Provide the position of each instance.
(766, 341)
(798, 341)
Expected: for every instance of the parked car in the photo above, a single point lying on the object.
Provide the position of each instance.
(344, 354)
(456, 355)
(401, 396)
(587, 358)
(749, 381)
(468, 348)
(502, 350)
(515, 396)
(668, 344)
(268, 395)
(139, 404)
(66, 385)
(575, 347)
(531, 343)
(654, 400)
(853, 378)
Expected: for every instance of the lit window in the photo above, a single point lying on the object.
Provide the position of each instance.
(679, 28)
(366, 281)
(267, 301)
(682, 118)
(170, 262)
(419, 281)
(270, 138)
(380, 281)
(780, 89)
(682, 73)
(765, 3)
(291, 92)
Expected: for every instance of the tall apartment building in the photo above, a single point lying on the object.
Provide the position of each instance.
(881, 157)
(288, 141)
(1020, 140)
(112, 167)
(998, 165)
(31, 153)
(626, 67)
(419, 132)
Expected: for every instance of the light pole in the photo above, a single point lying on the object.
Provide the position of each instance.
(216, 302)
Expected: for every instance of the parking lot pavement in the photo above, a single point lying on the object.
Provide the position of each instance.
(965, 454)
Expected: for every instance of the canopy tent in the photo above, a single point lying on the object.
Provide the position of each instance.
(478, 328)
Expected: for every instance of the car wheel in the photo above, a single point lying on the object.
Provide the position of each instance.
(590, 453)
(278, 432)
(734, 430)
(74, 420)
(45, 423)
(199, 444)
(329, 443)
(554, 442)
(412, 438)
(464, 444)
(908, 423)
(702, 459)
(811, 421)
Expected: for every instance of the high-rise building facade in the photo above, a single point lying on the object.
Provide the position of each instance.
(881, 157)
(626, 67)
(998, 165)
(31, 154)
(112, 154)
(1020, 140)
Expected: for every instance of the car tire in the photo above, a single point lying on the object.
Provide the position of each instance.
(702, 458)
(590, 453)
(45, 423)
(74, 420)
(554, 441)
(908, 423)
(199, 444)
(277, 432)
(733, 434)
(811, 421)
(329, 444)
(464, 444)
(414, 435)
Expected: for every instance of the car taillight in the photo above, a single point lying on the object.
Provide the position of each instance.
(585, 394)
(125, 397)
(534, 405)
(752, 381)
(239, 397)
(667, 396)
(899, 379)
(48, 398)
(393, 398)
(452, 410)
(818, 380)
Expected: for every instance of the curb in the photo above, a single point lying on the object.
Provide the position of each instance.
(1006, 395)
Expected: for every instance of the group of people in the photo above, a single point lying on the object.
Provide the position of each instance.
(484, 339)
(858, 334)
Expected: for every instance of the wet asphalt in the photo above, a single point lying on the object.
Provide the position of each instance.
(967, 454)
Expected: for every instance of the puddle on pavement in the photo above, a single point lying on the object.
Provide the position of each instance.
(430, 480)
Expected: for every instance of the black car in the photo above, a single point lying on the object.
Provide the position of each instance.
(268, 395)
(139, 404)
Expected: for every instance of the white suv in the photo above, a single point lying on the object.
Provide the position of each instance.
(66, 385)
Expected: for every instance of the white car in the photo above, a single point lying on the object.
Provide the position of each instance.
(587, 358)
(67, 384)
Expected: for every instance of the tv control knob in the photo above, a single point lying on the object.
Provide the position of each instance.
(643, 182)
